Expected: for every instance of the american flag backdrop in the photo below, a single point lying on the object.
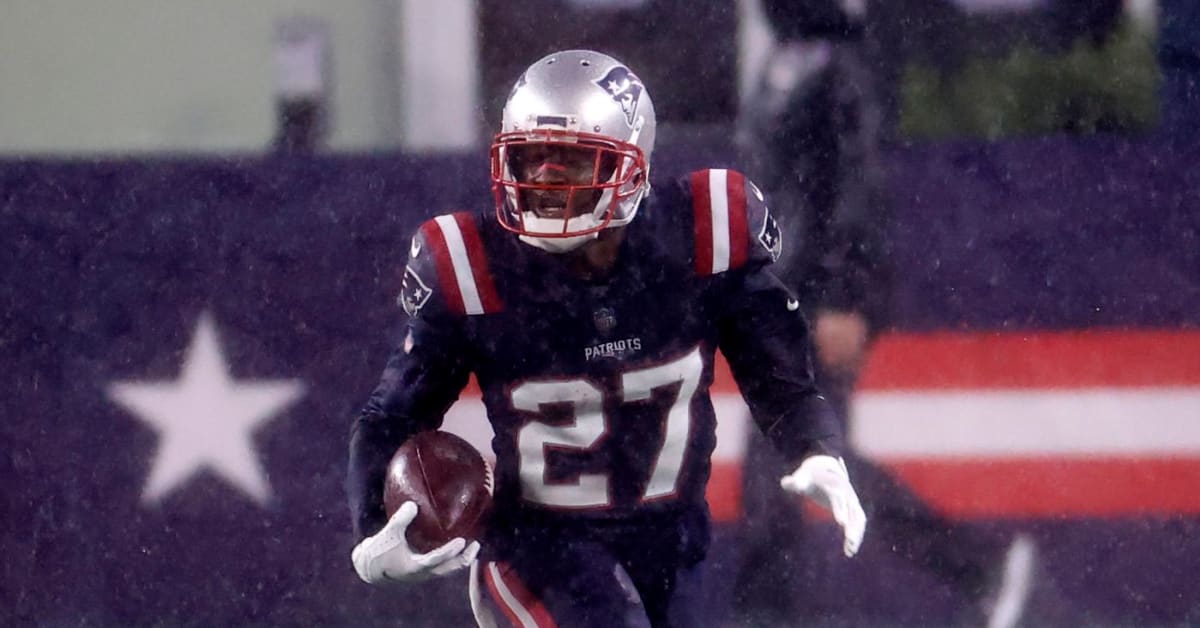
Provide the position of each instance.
(185, 341)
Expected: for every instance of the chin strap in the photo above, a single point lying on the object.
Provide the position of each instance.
(550, 225)
(559, 245)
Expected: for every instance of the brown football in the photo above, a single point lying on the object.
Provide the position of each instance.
(450, 483)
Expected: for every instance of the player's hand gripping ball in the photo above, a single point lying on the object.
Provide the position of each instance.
(448, 480)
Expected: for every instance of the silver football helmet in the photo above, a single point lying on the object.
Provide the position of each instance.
(573, 153)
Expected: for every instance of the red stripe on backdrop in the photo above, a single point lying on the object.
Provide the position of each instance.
(722, 376)
(739, 238)
(448, 281)
(1032, 487)
(702, 209)
(724, 490)
(1047, 360)
(1036, 487)
(1079, 359)
(484, 282)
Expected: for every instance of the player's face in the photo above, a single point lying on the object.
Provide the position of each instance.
(560, 166)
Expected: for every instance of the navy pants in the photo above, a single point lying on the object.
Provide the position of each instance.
(611, 576)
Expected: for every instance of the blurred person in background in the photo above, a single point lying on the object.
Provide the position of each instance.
(1179, 58)
(301, 86)
(810, 133)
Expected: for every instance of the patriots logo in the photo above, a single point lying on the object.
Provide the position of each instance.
(770, 237)
(625, 88)
(413, 292)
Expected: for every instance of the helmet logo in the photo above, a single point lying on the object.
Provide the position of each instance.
(625, 88)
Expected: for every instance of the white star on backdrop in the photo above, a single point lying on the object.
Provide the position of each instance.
(205, 419)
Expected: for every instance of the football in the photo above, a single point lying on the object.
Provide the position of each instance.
(450, 483)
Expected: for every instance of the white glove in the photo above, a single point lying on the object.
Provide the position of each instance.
(825, 480)
(387, 556)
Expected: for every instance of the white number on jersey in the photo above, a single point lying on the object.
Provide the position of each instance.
(591, 490)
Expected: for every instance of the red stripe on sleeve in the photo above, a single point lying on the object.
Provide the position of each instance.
(702, 206)
(436, 241)
(484, 283)
(739, 239)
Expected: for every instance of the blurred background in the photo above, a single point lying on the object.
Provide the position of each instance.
(205, 211)
(133, 77)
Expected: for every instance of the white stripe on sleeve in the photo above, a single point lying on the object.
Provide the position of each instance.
(718, 190)
(462, 264)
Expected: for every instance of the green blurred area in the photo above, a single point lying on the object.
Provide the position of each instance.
(1112, 87)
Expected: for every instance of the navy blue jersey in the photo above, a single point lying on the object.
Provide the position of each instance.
(598, 391)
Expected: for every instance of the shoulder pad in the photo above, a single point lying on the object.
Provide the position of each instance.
(733, 227)
(448, 269)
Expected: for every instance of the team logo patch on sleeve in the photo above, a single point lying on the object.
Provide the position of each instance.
(413, 292)
(770, 237)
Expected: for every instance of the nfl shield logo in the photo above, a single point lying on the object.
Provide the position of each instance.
(605, 320)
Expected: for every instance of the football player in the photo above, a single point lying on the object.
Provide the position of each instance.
(589, 309)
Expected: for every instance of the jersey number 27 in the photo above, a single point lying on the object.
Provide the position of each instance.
(590, 424)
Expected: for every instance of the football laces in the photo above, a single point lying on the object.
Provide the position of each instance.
(487, 475)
